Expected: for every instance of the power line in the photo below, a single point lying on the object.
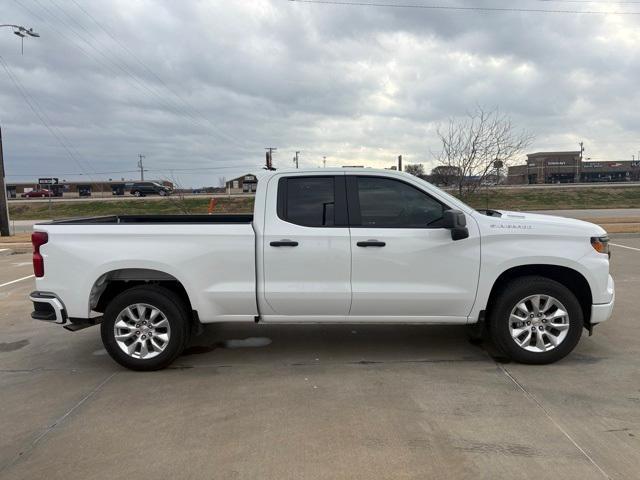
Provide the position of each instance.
(193, 169)
(39, 113)
(105, 66)
(149, 70)
(459, 8)
(133, 79)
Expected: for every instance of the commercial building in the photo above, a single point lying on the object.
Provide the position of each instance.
(74, 189)
(569, 167)
(243, 184)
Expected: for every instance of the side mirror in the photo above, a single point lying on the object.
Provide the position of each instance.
(455, 221)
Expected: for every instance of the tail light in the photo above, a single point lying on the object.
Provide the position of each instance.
(38, 239)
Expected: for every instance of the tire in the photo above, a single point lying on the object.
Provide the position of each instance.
(162, 193)
(164, 341)
(552, 335)
(137, 194)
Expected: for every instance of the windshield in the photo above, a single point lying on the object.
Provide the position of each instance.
(450, 198)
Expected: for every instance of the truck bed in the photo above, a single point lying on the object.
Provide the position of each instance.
(211, 256)
(157, 219)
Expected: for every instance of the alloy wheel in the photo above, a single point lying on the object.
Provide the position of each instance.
(142, 331)
(538, 323)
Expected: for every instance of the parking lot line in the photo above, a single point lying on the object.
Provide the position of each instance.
(16, 281)
(624, 246)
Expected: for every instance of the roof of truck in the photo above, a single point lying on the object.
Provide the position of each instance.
(320, 170)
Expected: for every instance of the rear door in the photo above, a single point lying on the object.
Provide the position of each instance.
(404, 263)
(306, 249)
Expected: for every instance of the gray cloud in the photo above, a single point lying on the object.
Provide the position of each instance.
(207, 85)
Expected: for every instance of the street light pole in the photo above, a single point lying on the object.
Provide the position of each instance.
(21, 32)
(4, 206)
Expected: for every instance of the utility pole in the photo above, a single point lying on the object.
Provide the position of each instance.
(4, 207)
(295, 159)
(141, 167)
(579, 164)
(269, 158)
(324, 162)
(399, 163)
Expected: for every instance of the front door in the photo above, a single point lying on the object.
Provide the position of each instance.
(306, 249)
(404, 264)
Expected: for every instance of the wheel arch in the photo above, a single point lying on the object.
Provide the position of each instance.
(570, 278)
(112, 283)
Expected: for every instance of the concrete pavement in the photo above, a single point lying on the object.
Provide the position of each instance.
(318, 402)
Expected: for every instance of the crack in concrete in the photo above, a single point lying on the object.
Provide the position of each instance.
(532, 398)
(22, 454)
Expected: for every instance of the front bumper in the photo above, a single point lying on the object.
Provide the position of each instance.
(602, 311)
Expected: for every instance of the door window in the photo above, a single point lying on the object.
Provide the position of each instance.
(389, 203)
(307, 201)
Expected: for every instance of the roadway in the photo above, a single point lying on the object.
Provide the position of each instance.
(318, 402)
(115, 198)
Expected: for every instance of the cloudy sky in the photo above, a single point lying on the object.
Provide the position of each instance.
(201, 87)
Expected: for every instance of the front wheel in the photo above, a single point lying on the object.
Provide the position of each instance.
(536, 320)
(145, 328)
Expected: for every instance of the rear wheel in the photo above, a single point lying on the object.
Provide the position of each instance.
(145, 328)
(536, 320)
(137, 193)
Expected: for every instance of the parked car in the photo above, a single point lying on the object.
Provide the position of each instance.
(343, 245)
(142, 189)
(43, 192)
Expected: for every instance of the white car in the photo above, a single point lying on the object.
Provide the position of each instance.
(330, 245)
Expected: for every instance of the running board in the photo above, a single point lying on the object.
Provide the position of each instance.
(81, 323)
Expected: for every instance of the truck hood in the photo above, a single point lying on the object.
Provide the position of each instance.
(553, 223)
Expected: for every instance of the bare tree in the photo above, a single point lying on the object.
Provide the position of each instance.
(222, 181)
(416, 169)
(473, 144)
(178, 198)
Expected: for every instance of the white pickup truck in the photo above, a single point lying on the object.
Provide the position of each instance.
(330, 245)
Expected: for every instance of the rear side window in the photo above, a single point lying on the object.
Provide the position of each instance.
(389, 203)
(307, 201)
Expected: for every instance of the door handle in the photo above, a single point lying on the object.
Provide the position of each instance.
(371, 243)
(284, 243)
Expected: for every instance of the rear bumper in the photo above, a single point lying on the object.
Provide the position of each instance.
(602, 312)
(48, 308)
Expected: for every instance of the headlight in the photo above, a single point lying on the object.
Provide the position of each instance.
(601, 244)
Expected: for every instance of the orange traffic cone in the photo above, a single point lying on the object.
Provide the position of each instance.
(212, 205)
